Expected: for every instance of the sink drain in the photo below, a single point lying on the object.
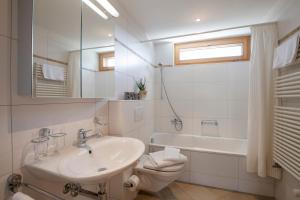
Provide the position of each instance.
(101, 169)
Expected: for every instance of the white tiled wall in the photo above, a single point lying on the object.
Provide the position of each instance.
(5, 101)
(123, 119)
(130, 67)
(203, 92)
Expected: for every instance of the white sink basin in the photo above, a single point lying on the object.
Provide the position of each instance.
(110, 156)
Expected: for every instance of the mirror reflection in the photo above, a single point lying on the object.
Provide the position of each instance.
(56, 48)
(98, 57)
(73, 55)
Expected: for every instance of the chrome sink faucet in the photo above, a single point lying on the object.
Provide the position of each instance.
(83, 138)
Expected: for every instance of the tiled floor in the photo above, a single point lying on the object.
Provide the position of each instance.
(183, 191)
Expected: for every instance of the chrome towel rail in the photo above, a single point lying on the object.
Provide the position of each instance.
(14, 182)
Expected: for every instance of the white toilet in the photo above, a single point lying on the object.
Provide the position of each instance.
(155, 180)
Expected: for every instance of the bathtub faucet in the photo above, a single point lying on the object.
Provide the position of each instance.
(178, 124)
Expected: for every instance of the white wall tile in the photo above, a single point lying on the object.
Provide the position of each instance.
(210, 91)
(238, 90)
(5, 142)
(26, 117)
(238, 71)
(210, 109)
(238, 109)
(5, 70)
(237, 128)
(5, 18)
(178, 74)
(14, 19)
(211, 73)
(180, 91)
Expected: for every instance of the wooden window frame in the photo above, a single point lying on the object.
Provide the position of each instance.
(102, 56)
(245, 40)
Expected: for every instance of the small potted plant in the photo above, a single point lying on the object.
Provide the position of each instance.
(141, 84)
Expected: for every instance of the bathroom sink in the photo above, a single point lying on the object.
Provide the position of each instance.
(110, 156)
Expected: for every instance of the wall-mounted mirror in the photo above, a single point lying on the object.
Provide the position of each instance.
(98, 57)
(66, 49)
(56, 48)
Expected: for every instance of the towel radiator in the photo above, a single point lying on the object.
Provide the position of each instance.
(286, 123)
(48, 88)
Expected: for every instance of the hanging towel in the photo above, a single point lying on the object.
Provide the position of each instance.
(286, 53)
(21, 196)
(53, 72)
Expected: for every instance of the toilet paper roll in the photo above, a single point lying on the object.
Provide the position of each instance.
(133, 183)
(21, 196)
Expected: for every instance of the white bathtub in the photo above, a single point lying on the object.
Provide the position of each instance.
(201, 143)
(215, 162)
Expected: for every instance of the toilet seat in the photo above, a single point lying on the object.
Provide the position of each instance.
(155, 180)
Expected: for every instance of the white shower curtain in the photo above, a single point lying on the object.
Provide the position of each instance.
(74, 74)
(259, 157)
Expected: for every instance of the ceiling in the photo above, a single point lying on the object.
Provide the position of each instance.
(164, 18)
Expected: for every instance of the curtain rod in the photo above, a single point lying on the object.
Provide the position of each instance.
(204, 32)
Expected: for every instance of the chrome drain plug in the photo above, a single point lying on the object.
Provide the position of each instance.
(101, 169)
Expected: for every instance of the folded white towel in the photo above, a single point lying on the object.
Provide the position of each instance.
(286, 53)
(173, 168)
(53, 72)
(21, 196)
(157, 160)
(171, 153)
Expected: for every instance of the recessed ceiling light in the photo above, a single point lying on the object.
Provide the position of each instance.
(198, 20)
(110, 35)
(95, 8)
(108, 7)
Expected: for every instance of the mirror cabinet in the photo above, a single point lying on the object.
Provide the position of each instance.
(66, 50)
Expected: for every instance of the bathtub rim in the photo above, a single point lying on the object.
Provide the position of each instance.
(196, 149)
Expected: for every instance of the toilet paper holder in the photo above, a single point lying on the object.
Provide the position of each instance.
(132, 183)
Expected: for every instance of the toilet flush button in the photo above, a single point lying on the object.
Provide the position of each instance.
(296, 192)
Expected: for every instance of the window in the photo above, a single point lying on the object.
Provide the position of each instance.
(212, 51)
(107, 61)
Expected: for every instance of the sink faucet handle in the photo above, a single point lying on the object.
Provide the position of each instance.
(82, 133)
